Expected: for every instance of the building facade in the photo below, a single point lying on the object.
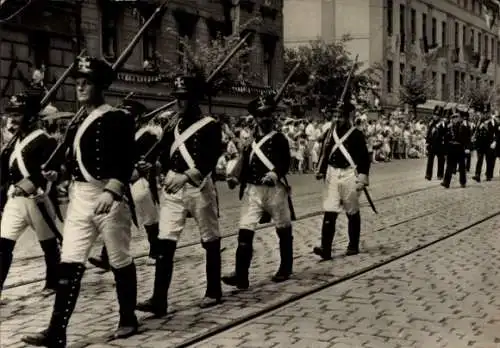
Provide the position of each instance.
(399, 34)
(38, 38)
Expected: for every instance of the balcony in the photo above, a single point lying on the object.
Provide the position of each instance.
(141, 77)
(243, 89)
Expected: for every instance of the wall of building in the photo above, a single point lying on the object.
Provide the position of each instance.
(133, 78)
(367, 22)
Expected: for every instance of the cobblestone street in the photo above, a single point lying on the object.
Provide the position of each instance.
(426, 213)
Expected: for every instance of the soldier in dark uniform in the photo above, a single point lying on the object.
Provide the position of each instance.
(458, 141)
(344, 164)
(483, 139)
(189, 155)
(144, 187)
(262, 176)
(100, 166)
(435, 144)
(27, 205)
(467, 123)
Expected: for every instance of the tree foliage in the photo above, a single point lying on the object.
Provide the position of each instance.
(416, 89)
(477, 96)
(206, 56)
(323, 73)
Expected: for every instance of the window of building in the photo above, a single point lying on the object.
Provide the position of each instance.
(434, 83)
(413, 23)
(472, 38)
(462, 79)
(466, 4)
(39, 46)
(424, 24)
(492, 49)
(486, 48)
(401, 74)
(464, 36)
(402, 27)
(109, 31)
(444, 89)
(185, 30)
(444, 34)
(434, 31)
(269, 48)
(149, 41)
(413, 70)
(390, 75)
(457, 34)
(479, 43)
(498, 52)
(456, 84)
(390, 13)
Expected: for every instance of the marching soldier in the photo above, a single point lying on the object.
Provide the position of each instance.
(345, 165)
(189, 154)
(100, 166)
(467, 123)
(144, 188)
(435, 144)
(262, 176)
(484, 139)
(27, 205)
(458, 140)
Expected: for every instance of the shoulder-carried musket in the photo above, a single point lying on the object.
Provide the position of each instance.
(173, 120)
(58, 154)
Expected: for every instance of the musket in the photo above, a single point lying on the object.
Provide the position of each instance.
(65, 143)
(281, 91)
(212, 75)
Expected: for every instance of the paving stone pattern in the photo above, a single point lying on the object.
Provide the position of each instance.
(446, 295)
(307, 199)
(430, 214)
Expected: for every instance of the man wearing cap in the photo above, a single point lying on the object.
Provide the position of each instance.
(470, 126)
(435, 144)
(188, 155)
(144, 187)
(100, 167)
(345, 165)
(484, 139)
(27, 205)
(262, 176)
(458, 142)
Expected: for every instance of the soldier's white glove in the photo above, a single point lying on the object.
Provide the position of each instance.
(271, 178)
(50, 175)
(467, 151)
(493, 145)
(361, 182)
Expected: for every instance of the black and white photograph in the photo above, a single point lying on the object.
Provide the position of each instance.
(250, 173)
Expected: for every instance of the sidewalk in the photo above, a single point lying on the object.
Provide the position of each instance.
(444, 296)
(429, 214)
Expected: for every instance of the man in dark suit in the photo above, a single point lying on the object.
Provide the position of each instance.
(435, 144)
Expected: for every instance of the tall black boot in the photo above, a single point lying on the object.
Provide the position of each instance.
(354, 231)
(152, 232)
(327, 235)
(68, 289)
(102, 261)
(244, 253)
(126, 291)
(286, 254)
(213, 294)
(6, 255)
(52, 256)
(158, 303)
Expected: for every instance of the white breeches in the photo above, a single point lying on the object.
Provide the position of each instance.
(145, 207)
(200, 202)
(20, 213)
(260, 199)
(341, 191)
(82, 227)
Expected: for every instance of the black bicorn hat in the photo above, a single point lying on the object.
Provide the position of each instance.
(26, 103)
(438, 110)
(262, 105)
(96, 70)
(137, 109)
(189, 85)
